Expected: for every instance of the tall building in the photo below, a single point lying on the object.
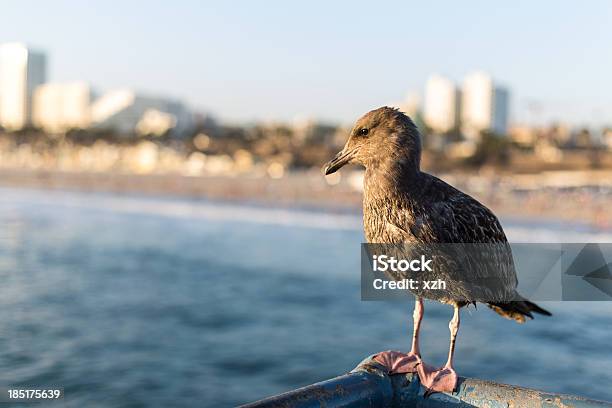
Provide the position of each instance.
(441, 110)
(127, 112)
(58, 107)
(21, 71)
(484, 106)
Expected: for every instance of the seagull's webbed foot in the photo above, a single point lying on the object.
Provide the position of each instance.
(437, 380)
(397, 362)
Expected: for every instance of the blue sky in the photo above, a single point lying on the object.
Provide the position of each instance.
(245, 60)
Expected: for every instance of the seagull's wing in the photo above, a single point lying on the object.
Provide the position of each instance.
(478, 266)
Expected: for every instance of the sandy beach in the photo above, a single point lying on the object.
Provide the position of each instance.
(575, 196)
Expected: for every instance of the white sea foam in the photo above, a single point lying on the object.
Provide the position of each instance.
(517, 231)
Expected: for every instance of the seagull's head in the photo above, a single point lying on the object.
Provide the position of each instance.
(381, 138)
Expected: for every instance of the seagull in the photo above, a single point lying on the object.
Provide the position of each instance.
(403, 204)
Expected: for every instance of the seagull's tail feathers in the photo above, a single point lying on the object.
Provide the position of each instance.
(518, 309)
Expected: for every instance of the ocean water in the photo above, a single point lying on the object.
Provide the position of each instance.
(140, 301)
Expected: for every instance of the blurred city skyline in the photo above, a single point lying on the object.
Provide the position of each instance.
(244, 62)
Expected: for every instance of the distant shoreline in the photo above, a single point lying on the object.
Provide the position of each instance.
(588, 205)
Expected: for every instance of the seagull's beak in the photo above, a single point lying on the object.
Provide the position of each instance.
(342, 158)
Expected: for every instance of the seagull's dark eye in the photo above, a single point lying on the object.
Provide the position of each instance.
(363, 132)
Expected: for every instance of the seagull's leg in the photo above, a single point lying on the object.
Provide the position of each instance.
(398, 362)
(417, 317)
(443, 379)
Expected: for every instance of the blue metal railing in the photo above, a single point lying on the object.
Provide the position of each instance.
(368, 385)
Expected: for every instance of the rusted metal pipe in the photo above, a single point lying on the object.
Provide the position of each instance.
(368, 385)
